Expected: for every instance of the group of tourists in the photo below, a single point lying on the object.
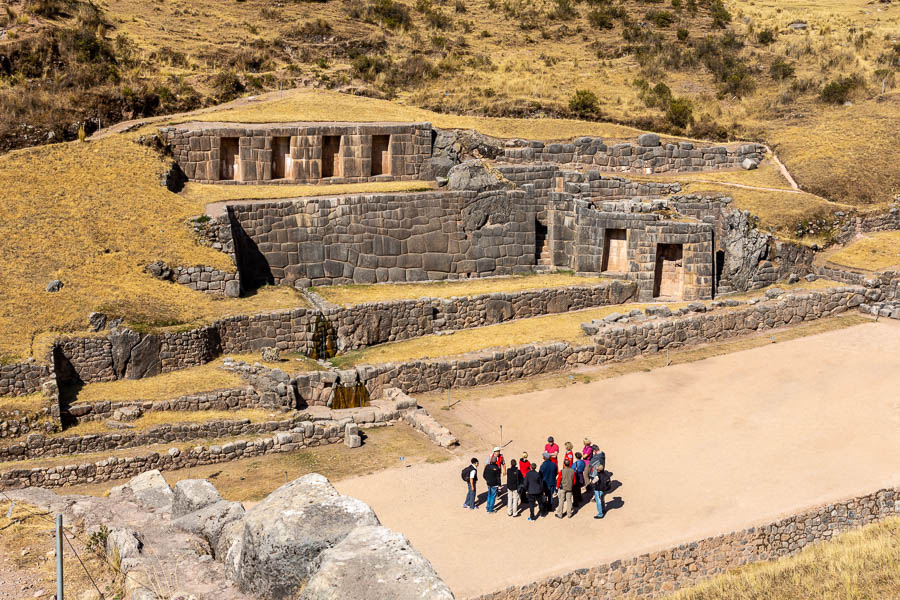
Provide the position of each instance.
(537, 486)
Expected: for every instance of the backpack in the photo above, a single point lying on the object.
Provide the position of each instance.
(465, 473)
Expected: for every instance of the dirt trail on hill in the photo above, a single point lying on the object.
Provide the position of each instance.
(700, 449)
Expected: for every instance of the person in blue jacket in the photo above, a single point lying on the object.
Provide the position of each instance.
(548, 477)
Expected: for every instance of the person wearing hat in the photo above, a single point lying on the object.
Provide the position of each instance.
(552, 448)
(548, 473)
(497, 459)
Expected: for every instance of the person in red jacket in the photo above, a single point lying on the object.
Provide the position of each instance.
(524, 467)
(569, 455)
(552, 448)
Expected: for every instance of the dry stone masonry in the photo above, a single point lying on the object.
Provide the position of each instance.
(299, 152)
(657, 574)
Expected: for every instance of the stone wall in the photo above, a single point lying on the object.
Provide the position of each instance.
(656, 574)
(384, 237)
(614, 343)
(20, 379)
(316, 427)
(229, 399)
(647, 156)
(250, 153)
(850, 225)
(16, 423)
(209, 280)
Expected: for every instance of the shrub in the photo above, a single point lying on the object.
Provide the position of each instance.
(660, 18)
(780, 69)
(50, 9)
(583, 103)
(600, 19)
(410, 71)
(392, 15)
(460, 6)
(838, 91)
(765, 37)
(437, 19)
(683, 34)
(721, 16)
(563, 10)
(226, 86)
(680, 112)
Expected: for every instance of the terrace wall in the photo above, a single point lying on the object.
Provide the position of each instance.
(648, 155)
(656, 574)
(384, 237)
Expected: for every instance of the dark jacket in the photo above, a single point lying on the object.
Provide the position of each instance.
(548, 474)
(491, 475)
(533, 483)
(513, 479)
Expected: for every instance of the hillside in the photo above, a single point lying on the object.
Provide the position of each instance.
(776, 72)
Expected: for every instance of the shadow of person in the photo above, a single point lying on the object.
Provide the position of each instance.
(614, 484)
(613, 504)
(481, 499)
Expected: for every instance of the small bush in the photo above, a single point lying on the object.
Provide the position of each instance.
(683, 34)
(721, 16)
(838, 91)
(226, 86)
(765, 37)
(563, 10)
(780, 69)
(600, 19)
(392, 15)
(660, 18)
(50, 9)
(583, 103)
(460, 6)
(680, 112)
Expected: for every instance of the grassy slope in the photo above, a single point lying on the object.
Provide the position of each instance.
(874, 252)
(859, 564)
(93, 215)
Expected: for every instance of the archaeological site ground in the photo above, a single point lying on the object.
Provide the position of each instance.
(273, 273)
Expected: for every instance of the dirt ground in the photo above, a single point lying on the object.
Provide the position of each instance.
(695, 450)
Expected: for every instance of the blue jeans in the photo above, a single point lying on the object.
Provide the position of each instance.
(492, 497)
(598, 498)
(470, 497)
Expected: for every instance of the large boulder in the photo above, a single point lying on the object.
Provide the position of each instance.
(210, 522)
(149, 488)
(284, 534)
(193, 494)
(374, 563)
(473, 175)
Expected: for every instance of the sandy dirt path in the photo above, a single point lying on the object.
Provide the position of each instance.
(700, 449)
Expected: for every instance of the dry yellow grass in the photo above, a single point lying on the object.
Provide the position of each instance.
(874, 252)
(767, 175)
(26, 538)
(347, 295)
(205, 193)
(291, 362)
(93, 215)
(162, 387)
(169, 417)
(564, 327)
(254, 478)
(26, 404)
(779, 212)
(859, 564)
(325, 105)
(434, 401)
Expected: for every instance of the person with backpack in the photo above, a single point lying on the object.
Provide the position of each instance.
(578, 467)
(601, 484)
(470, 476)
(548, 472)
(534, 488)
(514, 484)
(492, 480)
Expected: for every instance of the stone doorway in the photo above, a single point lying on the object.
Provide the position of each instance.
(281, 157)
(228, 158)
(331, 156)
(541, 244)
(668, 280)
(381, 155)
(615, 251)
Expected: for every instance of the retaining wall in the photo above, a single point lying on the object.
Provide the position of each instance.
(384, 237)
(656, 574)
(227, 399)
(613, 343)
(648, 155)
(16, 423)
(20, 379)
